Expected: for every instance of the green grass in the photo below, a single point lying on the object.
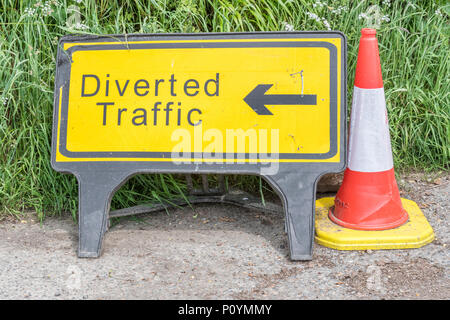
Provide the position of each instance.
(414, 50)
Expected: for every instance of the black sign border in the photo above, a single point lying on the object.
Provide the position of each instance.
(128, 43)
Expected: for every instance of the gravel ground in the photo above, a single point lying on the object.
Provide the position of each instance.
(220, 252)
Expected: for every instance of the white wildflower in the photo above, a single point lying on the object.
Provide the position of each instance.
(385, 18)
(29, 12)
(339, 9)
(287, 26)
(313, 16)
(4, 100)
(316, 18)
(438, 13)
(325, 22)
(363, 16)
(47, 8)
(78, 1)
(318, 4)
(387, 3)
(44, 9)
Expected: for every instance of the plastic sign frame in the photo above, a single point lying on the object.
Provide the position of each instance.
(161, 103)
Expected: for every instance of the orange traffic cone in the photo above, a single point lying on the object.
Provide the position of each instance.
(368, 198)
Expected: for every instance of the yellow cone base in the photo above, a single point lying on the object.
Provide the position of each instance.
(415, 233)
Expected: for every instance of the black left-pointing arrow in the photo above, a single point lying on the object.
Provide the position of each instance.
(257, 99)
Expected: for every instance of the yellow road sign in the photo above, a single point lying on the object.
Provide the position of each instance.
(271, 104)
(202, 99)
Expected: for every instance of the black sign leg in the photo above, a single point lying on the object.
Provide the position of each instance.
(298, 195)
(95, 192)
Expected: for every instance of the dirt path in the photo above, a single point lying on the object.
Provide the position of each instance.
(220, 252)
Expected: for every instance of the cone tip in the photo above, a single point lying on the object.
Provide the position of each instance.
(368, 67)
(368, 32)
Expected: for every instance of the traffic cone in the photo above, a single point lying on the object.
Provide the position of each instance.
(368, 198)
(367, 212)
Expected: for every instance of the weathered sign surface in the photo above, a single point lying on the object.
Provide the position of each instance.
(271, 104)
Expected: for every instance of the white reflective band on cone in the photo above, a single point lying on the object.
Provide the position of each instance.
(369, 147)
